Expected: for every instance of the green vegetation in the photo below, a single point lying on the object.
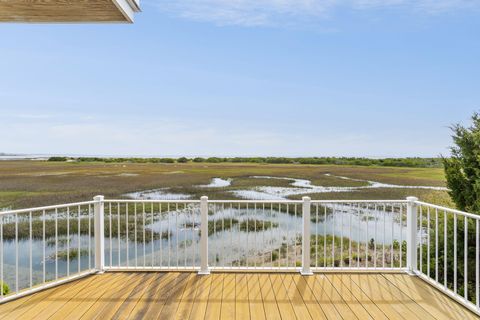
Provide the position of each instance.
(65, 255)
(387, 162)
(360, 254)
(450, 241)
(61, 230)
(249, 225)
(221, 225)
(26, 184)
(357, 254)
(4, 288)
(462, 170)
(61, 241)
(253, 225)
(185, 243)
(275, 255)
(58, 159)
(117, 160)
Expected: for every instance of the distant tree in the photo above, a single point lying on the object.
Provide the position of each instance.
(462, 169)
(58, 159)
(214, 160)
(198, 159)
(182, 160)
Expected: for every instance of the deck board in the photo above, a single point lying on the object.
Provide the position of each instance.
(257, 310)
(360, 304)
(214, 305)
(200, 302)
(268, 298)
(188, 296)
(228, 297)
(283, 301)
(242, 309)
(153, 295)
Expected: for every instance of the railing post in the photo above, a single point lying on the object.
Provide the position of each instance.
(412, 235)
(204, 236)
(306, 238)
(99, 234)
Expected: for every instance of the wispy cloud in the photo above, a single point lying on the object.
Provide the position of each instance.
(275, 12)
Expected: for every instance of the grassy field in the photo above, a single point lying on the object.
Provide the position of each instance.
(36, 183)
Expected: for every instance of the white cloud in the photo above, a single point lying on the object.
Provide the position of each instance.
(273, 12)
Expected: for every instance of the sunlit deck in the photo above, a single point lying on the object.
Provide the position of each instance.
(152, 295)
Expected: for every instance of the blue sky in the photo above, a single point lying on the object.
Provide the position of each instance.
(229, 78)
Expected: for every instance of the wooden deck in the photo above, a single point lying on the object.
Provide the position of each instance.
(240, 296)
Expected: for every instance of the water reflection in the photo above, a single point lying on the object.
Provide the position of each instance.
(178, 244)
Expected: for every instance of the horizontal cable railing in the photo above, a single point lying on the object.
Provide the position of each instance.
(42, 247)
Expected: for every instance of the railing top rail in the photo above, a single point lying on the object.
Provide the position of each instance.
(252, 201)
(361, 201)
(148, 201)
(59, 206)
(465, 214)
(257, 201)
(186, 201)
(312, 201)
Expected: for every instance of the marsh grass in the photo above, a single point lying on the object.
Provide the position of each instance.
(330, 251)
(61, 241)
(26, 184)
(72, 254)
(253, 225)
(220, 225)
(86, 228)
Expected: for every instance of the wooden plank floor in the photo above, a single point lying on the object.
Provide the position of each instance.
(238, 296)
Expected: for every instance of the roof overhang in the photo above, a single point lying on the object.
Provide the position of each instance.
(70, 11)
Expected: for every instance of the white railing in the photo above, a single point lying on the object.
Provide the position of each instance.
(42, 247)
(443, 231)
(45, 246)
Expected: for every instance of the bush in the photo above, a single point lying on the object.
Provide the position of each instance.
(4, 288)
(182, 160)
(274, 255)
(214, 160)
(462, 170)
(58, 159)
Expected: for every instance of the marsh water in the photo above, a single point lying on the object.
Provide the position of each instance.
(227, 246)
(179, 227)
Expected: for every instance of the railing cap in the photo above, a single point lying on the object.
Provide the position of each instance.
(98, 198)
(412, 199)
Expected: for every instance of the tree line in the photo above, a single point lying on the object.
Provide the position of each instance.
(386, 162)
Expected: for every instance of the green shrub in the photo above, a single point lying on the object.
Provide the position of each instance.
(274, 255)
(462, 170)
(58, 159)
(5, 289)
